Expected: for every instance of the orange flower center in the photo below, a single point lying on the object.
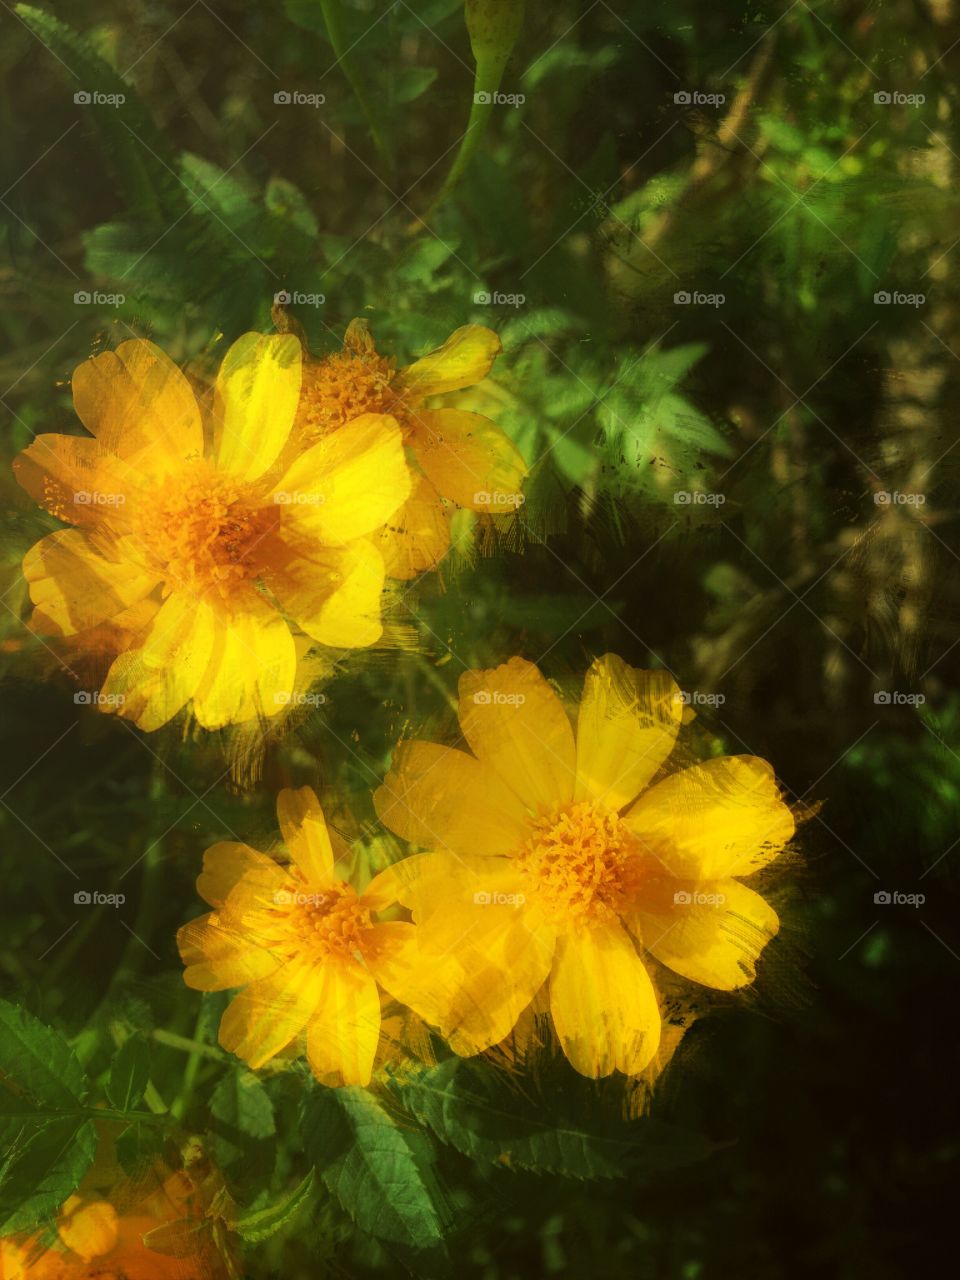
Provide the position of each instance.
(341, 387)
(580, 862)
(201, 529)
(327, 923)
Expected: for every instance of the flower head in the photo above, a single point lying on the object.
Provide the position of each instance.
(206, 552)
(303, 944)
(553, 861)
(459, 456)
(170, 1232)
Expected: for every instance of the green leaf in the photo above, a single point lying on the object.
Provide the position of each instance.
(479, 1115)
(381, 1174)
(138, 1143)
(132, 144)
(37, 1066)
(129, 1073)
(410, 82)
(242, 1109)
(41, 1170)
(260, 1224)
(287, 202)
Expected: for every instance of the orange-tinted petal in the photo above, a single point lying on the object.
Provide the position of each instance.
(345, 1027)
(218, 958)
(224, 864)
(417, 536)
(256, 397)
(74, 479)
(269, 1013)
(252, 667)
(469, 459)
(331, 593)
(74, 587)
(139, 406)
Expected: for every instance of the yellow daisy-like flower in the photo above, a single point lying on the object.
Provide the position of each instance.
(460, 456)
(301, 942)
(205, 551)
(553, 861)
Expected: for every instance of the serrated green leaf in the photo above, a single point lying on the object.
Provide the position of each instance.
(36, 1063)
(285, 201)
(129, 1073)
(242, 1106)
(260, 1224)
(381, 1174)
(43, 1167)
(133, 146)
(466, 1109)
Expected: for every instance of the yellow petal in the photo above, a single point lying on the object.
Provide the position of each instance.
(255, 402)
(151, 684)
(139, 406)
(469, 459)
(626, 728)
(516, 724)
(464, 359)
(480, 952)
(347, 485)
(219, 958)
(224, 864)
(603, 1003)
(251, 670)
(446, 799)
(345, 1028)
(74, 587)
(305, 834)
(91, 1231)
(269, 1013)
(417, 535)
(74, 479)
(721, 818)
(332, 593)
(711, 932)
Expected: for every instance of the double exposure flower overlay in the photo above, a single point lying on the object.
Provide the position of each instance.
(572, 862)
(192, 538)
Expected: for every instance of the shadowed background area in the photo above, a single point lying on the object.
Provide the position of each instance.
(717, 241)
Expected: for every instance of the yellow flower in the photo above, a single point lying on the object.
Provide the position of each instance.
(546, 867)
(301, 942)
(459, 455)
(167, 1233)
(209, 548)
